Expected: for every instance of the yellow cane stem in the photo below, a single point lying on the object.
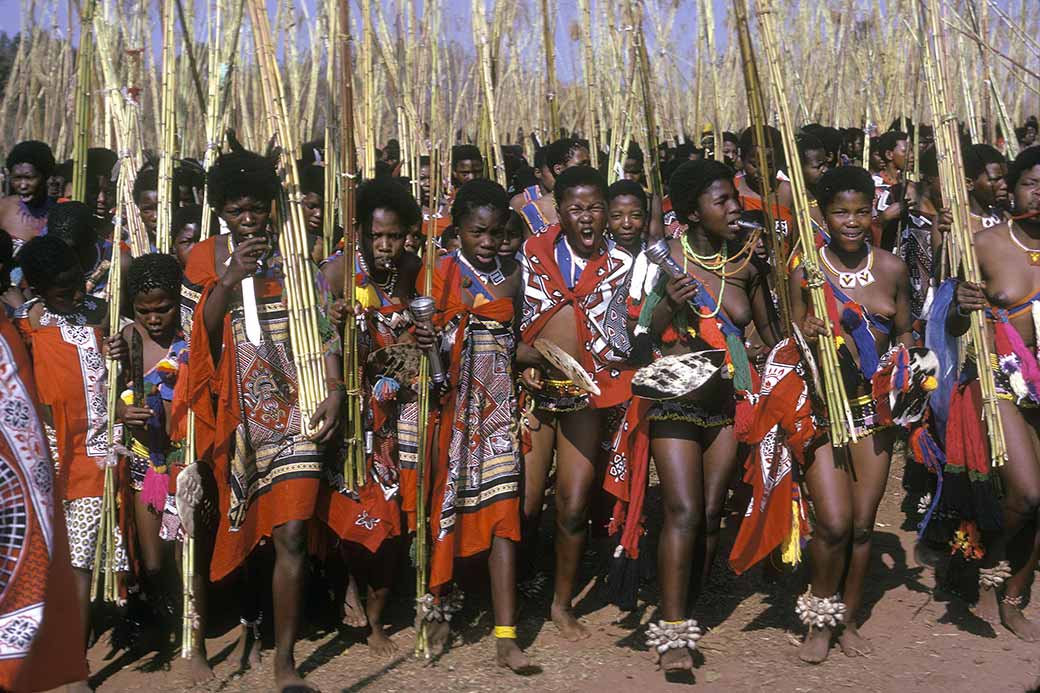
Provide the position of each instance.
(83, 107)
(354, 460)
(164, 222)
(838, 410)
(757, 112)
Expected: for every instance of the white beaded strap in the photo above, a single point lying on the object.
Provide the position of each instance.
(440, 610)
(994, 577)
(820, 612)
(672, 635)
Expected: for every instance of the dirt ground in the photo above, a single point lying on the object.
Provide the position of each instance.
(924, 639)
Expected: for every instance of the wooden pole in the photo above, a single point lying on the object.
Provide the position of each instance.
(549, 44)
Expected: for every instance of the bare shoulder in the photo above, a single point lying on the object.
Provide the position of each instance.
(409, 266)
(887, 262)
(997, 234)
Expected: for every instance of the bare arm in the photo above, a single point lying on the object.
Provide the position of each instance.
(902, 323)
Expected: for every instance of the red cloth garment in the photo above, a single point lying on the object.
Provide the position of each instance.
(289, 489)
(41, 636)
(476, 468)
(628, 467)
(779, 430)
(71, 378)
(372, 514)
(598, 300)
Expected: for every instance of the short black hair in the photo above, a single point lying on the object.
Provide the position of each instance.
(153, 271)
(100, 162)
(465, 152)
(627, 187)
(539, 157)
(1026, 159)
(809, 142)
(978, 156)
(189, 173)
(44, 258)
(831, 139)
(522, 178)
(182, 216)
(728, 136)
(773, 140)
(241, 173)
(690, 181)
(844, 179)
(561, 151)
(634, 151)
(32, 152)
(577, 176)
(386, 193)
(64, 169)
(477, 193)
(312, 180)
(73, 223)
(147, 180)
(889, 140)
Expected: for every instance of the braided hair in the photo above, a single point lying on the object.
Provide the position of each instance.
(153, 271)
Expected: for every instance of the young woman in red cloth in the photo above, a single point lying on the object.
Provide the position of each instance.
(692, 440)
(242, 388)
(869, 293)
(475, 505)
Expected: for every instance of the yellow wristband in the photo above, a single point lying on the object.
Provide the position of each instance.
(505, 632)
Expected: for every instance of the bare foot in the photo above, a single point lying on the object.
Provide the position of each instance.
(509, 655)
(199, 668)
(381, 645)
(570, 628)
(247, 649)
(437, 634)
(353, 611)
(288, 680)
(675, 660)
(816, 645)
(986, 607)
(852, 643)
(1015, 621)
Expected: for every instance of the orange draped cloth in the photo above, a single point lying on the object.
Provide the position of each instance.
(213, 394)
(41, 636)
(71, 380)
(476, 469)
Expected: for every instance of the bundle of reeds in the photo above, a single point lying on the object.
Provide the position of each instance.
(103, 575)
(424, 385)
(308, 354)
(961, 240)
(839, 413)
(84, 86)
(757, 111)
